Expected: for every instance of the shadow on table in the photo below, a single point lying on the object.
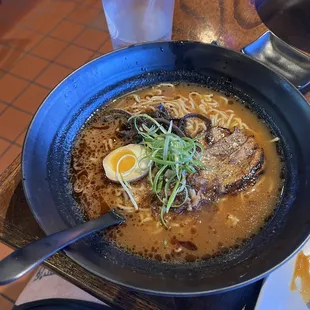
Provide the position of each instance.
(20, 215)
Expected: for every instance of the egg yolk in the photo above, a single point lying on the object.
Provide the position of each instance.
(126, 163)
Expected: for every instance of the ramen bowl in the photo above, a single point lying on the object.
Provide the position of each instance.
(48, 147)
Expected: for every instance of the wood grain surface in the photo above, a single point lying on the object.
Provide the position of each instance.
(232, 23)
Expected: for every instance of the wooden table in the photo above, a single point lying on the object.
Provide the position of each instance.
(232, 23)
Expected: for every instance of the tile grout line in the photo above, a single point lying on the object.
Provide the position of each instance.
(50, 62)
(13, 143)
(105, 41)
(7, 298)
(55, 38)
(2, 112)
(76, 22)
(5, 150)
(32, 82)
(20, 109)
(24, 131)
(79, 4)
(48, 35)
(64, 18)
(6, 139)
(24, 79)
(11, 104)
(86, 25)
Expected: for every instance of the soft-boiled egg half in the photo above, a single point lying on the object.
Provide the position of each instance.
(126, 162)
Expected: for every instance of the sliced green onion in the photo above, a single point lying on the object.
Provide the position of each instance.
(134, 117)
(167, 151)
(173, 196)
(168, 183)
(184, 200)
(170, 127)
(162, 212)
(159, 175)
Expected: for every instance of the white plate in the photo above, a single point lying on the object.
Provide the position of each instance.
(276, 293)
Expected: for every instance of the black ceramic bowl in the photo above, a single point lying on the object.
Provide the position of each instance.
(47, 153)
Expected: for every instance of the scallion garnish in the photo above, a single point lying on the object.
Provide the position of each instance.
(173, 158)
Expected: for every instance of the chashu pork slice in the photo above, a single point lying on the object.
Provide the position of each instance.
(234, 160)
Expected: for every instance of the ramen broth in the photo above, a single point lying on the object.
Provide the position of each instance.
(194, 235)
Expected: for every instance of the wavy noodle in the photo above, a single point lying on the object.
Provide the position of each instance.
(214, 107)
(166, 85)
(108, 145)
(119, 192)
(155, 92)
(156, 232)
(147, 219)
(125, 208)
(276, 139)
(158, 224)
(196, 127)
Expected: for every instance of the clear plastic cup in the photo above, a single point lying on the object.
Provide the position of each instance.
(135, 21)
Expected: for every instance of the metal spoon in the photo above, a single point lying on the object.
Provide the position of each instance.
(23, 260)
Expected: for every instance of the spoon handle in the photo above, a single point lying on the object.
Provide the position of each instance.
(23, 260)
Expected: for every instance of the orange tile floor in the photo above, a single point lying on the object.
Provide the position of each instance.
(41, 41)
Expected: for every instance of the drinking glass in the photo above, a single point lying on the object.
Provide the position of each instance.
(135, 21)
